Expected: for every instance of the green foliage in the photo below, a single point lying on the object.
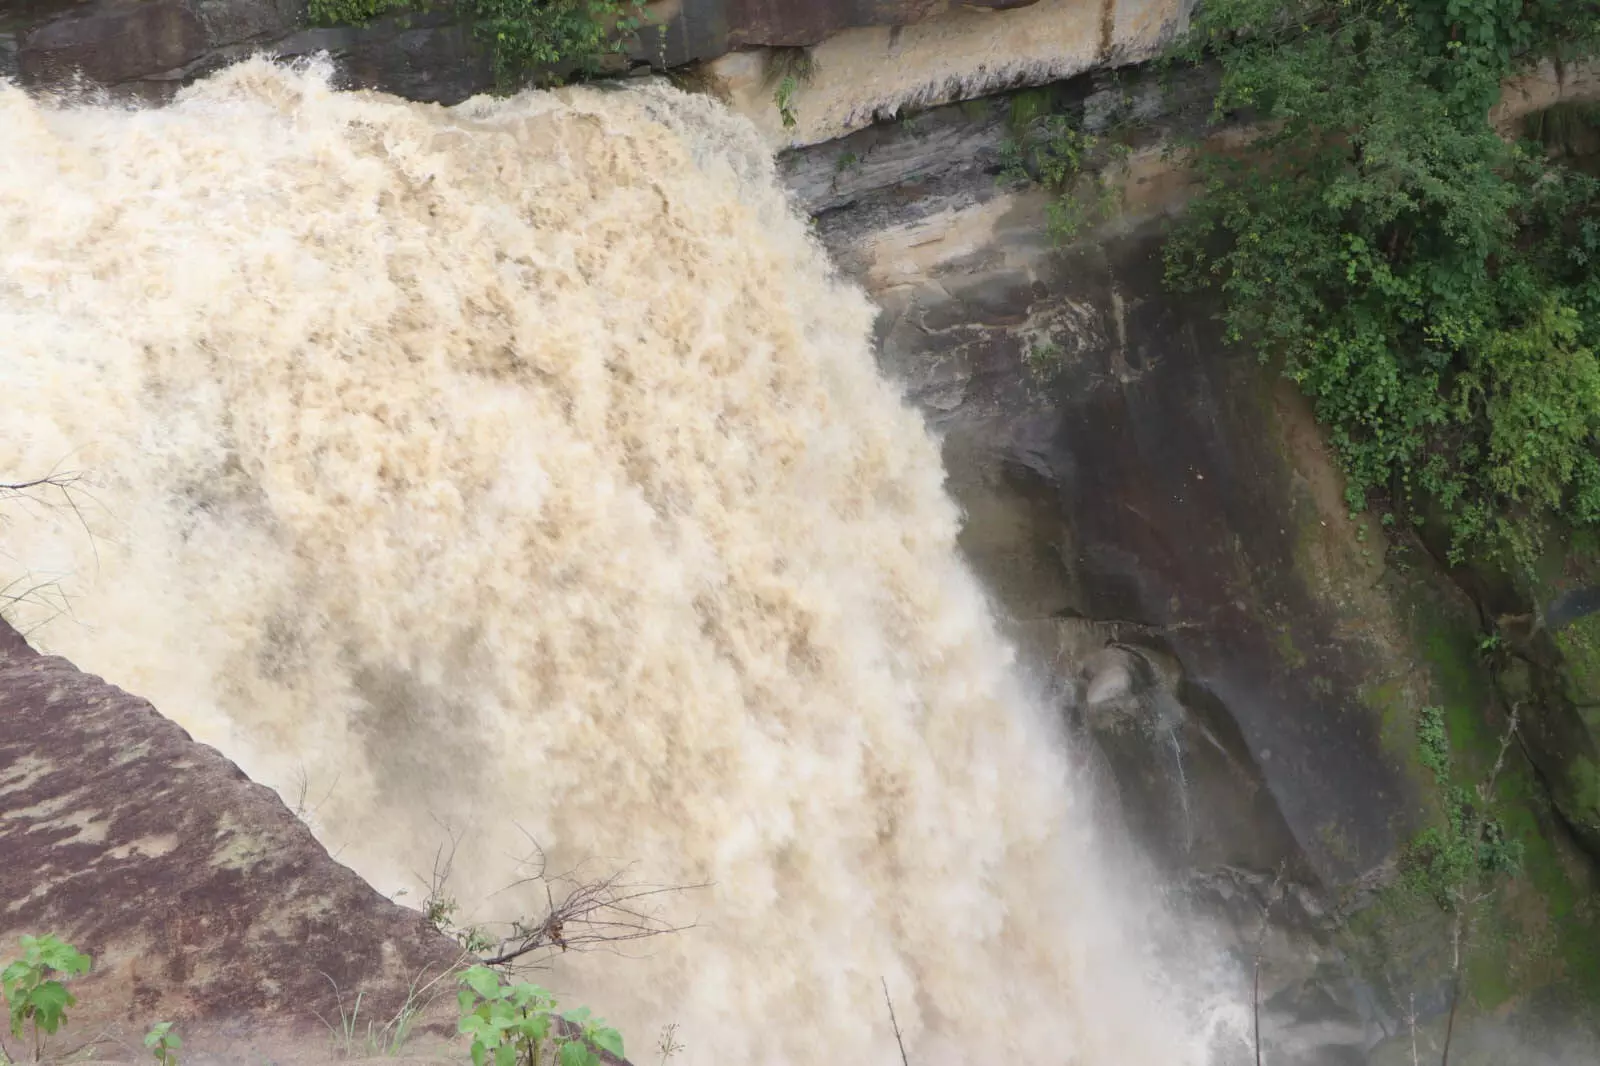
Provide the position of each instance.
(783, 96)
(1433, 743)
(525, 37)
(1049, 150)
(787, 70)
(1446, 863)
(163, 1043)
(1043, 359)
(32, 992)
(1427, 284)
(519, 1025)
(350, 12)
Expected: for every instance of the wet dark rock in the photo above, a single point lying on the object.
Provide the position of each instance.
(148, 48)
(114, 42)
(1163, 527)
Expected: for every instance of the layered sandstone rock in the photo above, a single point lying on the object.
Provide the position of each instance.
(869, 57)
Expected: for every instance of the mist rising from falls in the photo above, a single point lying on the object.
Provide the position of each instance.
(523, 467)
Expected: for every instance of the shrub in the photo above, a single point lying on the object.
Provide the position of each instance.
(519, 1025)
(526, 38)
(33, 993)
(1430, 286)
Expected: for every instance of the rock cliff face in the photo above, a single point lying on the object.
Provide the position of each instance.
(868, 57)
(200, 896)
(1164, 528)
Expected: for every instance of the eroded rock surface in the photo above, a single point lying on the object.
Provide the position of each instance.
(1163, 525)
(867, 57)
(200, 896)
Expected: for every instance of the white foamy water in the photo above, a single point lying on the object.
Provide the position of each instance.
(523, 467)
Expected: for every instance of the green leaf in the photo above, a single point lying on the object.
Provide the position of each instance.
(479, 1028)
(59, 955)
(48, 1004)
(609, 1040)
(577, 1053)
(482, 980)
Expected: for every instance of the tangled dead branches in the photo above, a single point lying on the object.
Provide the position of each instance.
(583, 912)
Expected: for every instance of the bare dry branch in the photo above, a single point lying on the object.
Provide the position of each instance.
(1455, 988)
(1485, 789)
(56, 481)
(45, 593)
(1261, 944)
(895, 1023)
(583, 915)
(582, 912)
(1411, 1023)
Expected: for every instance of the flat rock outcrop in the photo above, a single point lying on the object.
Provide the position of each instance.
(200, 896)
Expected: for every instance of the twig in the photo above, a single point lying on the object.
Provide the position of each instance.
(897, 1039)
(56, 481)
(1465, 904)
(1455, 990)
(1261, 945)
(591, 913)
(1255, 1006)
(1500, 759)
(1411, 1022)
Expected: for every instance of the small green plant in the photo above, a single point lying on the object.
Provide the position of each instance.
(163, 1044)
(1433, 743)
(783, 96)
(529, 35)
(525, 37)
(350, 12)
(34, 996)
(1048, 150)
(1043, 359)
(353, 1039)
(520, 1025)
(1456, 863)
(788, 69)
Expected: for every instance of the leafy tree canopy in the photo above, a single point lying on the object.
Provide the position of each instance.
(1429, 283)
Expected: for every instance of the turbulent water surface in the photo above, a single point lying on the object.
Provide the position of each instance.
(522, 468)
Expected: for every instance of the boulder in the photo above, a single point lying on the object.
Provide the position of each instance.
(201, 898)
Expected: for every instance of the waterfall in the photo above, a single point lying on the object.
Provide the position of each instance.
(523, 468)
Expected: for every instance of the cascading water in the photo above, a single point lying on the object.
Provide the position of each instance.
(523, 467)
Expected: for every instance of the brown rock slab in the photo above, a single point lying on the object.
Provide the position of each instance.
(200, 896)
(114, 42)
